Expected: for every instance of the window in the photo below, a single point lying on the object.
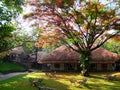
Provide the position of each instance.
(46, 66)
(104, 66)
(57, 65)
(93, 67)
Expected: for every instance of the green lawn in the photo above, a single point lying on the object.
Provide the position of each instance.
(7, 66)
(61, 81)
(16, 83)
(1, 73)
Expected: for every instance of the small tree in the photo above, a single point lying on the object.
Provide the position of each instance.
(80, 24)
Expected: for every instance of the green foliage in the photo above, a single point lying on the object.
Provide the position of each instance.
(113, 46)
(7, 66)
(3, 54)
(14, 4)
(26, 16)
(8, 11)
(5, 36)
(25, 40)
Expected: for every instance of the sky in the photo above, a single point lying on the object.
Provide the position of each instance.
(25, 23)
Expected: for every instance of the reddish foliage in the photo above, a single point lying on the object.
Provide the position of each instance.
(59, 3)
(117, 38)
(83, 27)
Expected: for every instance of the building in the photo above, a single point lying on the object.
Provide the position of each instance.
(64, 59)
(17, 55)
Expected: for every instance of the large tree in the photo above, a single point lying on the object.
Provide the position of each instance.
(9, 9)
(81, 25)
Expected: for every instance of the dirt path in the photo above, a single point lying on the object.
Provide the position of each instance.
(6, 76)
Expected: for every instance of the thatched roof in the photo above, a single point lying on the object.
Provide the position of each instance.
(17, 51)
(41, 55)
(27, 57)
(60, 55)
(102, 55)
(64, 55)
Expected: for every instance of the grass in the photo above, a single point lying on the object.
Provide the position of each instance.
(7, 67)
(1, 73)
(16, 83)
(61, 82)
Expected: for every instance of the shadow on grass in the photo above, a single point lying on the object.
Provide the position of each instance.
(102, 87)
(54, 84)
(96, 77)
(108, 85)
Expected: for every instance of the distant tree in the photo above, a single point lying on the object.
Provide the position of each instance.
(24, 40)
(81, 25)
(9, 9)
(112, 45)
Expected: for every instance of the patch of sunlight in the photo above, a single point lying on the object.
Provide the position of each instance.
(9, 84)
(64, 81)
(5, 85)
(13, 82)
(35, 75)
(117, 74)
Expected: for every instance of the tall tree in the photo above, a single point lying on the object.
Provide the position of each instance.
(8, 11)
(81, 25)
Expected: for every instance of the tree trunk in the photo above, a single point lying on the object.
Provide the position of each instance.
(85, 63)
(36, 52)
